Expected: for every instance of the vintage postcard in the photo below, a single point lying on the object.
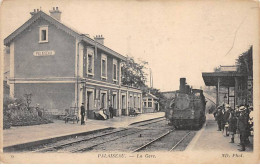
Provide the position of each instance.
(132, 82)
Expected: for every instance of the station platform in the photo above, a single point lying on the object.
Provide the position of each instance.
(208, 139)
(27, 134)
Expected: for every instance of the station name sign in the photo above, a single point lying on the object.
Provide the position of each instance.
(44, 53)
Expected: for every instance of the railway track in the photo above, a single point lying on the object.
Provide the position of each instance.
(67, 143)
(137, 137)
(88, 142)
(84, 148)
(159, 138)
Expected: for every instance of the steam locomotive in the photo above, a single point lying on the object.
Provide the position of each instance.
(187, 109)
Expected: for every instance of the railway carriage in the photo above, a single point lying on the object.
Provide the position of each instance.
(187, 110)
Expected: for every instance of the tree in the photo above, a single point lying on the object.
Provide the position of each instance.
(245, 62)
(133, 73)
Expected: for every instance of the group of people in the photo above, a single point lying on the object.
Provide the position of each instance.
(101, 114)
(235, 121)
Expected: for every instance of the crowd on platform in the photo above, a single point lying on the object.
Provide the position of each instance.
(235, 121)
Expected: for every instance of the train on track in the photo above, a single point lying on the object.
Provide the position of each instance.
(187, 109)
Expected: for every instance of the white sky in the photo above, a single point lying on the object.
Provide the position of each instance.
(177, 38)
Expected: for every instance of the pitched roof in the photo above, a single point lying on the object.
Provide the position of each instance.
(151, 95)
(63, 27)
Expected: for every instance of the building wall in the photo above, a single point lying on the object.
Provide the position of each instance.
(62, 64)
(95, 92)
(133, 100)
(97, 68)
(49, 95)
(57, 95)
(148, 110)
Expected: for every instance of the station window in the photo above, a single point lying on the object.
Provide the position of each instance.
(122, 74)
(150, 104)
(145, 104)
(104, 66)
(43, 34)
(138, 102)
(90, 61)
(114, 70)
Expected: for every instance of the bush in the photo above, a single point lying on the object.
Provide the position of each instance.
(29, 117)
(7, 122)
(17, 114)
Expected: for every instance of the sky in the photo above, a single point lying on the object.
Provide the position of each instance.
(177, 38)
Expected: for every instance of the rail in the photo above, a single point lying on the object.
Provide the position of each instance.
(179, 142)
(149, 143)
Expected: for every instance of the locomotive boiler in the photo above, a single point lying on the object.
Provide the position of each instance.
(187, 109)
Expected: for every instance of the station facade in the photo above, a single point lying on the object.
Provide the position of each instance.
(63, 68)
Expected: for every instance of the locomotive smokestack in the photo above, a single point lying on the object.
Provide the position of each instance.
(182, 84)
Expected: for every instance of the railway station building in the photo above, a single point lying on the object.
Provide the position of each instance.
(63, 68)
(150, 103)
(239, 85)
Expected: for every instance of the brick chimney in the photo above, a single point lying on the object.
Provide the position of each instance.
(99, 39)
(35, 11)
(55, 13)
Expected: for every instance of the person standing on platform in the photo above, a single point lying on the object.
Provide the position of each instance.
(111, 110)
(226, 115)
(223, 111)
(242, 127)
(232, 125)
(219, 116)
(82, 113)
(248, 126)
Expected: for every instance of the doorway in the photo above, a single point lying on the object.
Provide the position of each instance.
(123, 105)
(89, 104)
(103, 100)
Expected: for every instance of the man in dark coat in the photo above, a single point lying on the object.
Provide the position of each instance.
(242, 127)
(232, 125)
(82, 113)
(219, 117)
(111, 110)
